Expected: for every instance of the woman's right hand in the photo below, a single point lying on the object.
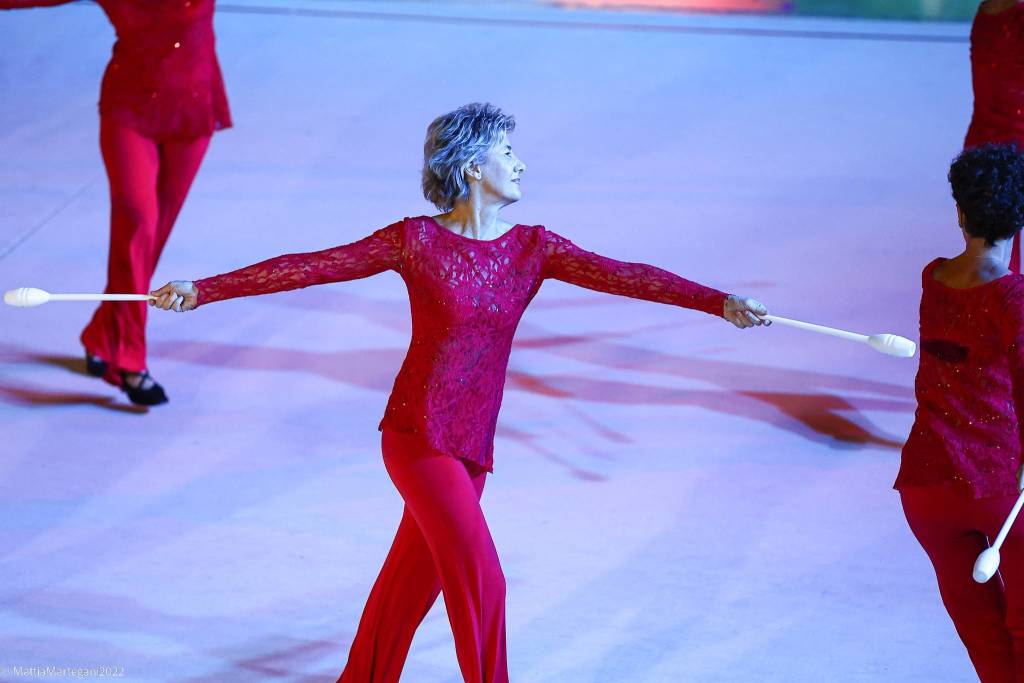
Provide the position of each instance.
(743, 312)
(177, 295)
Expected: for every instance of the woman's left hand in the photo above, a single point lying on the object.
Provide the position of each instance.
(176, 295)
(743, 312)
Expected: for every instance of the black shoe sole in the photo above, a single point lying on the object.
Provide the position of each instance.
(152, 396)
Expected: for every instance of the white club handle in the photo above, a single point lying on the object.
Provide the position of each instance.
(988, 561)
(890, 344)
(25, 297)
(100, 297)
(821, 329)
(1009, 522)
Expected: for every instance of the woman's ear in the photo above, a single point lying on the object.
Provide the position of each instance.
(960, 217)
(473, 172)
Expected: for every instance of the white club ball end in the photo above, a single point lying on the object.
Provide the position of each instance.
(986, 565)
(25, 297)
(893, 345)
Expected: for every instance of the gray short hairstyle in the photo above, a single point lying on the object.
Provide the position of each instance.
(454, 141)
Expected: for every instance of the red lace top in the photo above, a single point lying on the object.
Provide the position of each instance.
(997, 65)
(466, 298)
(970, 388)
(163, 78)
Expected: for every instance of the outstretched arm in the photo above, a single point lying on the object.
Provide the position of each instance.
(567, 262)
(371, 255)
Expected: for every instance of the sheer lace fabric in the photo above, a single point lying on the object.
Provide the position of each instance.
(466, 297)
(970, 388)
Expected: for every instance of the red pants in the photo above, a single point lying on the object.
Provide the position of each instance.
(442, 544)
(149, 180)
(989, 617)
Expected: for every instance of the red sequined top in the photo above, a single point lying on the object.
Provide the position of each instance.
(970, 388)
(163, 79)
(997, 66)
(466, 297)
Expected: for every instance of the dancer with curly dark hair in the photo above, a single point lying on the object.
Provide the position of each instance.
(961, 466)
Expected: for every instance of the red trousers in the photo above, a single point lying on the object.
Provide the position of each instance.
(149, 180)
(989, 617)
(442, 544)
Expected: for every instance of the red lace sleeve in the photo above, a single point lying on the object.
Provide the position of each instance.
(567, 262)
(371, 255)
(23, 4)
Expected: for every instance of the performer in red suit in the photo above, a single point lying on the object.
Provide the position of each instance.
(470, 276)
(960, 471)
(997, 68)
(161, 99)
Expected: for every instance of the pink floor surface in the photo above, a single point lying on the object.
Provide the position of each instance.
(674, 500)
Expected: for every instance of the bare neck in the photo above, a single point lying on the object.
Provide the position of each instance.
(476, 219)
(977, 265)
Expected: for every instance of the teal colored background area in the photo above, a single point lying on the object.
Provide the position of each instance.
(926, 10)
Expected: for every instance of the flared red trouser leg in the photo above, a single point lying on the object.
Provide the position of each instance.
(149, 181)
(443, 544)
(989, 617)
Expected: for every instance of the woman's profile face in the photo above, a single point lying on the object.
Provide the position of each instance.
(500, 172)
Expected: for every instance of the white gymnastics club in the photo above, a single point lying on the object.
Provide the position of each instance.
(25, 297)
(890, 344)
(988, 561)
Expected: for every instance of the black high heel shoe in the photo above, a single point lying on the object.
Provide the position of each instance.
(94, 365)
(143, 395)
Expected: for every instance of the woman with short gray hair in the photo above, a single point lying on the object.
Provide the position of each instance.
(470, 276)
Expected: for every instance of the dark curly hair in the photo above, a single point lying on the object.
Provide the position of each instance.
(988, 186)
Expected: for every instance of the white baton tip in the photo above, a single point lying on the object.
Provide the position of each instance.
(893, 345)
(986, 565)
(23, 297)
